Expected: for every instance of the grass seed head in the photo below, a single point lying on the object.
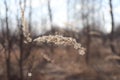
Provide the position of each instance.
(60, 40)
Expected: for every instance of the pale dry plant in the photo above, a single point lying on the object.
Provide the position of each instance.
(60, 40)
(56, 39)
(25, 28)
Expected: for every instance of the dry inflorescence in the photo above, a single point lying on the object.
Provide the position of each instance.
(60, 40)
(25, 28)
(56, 39)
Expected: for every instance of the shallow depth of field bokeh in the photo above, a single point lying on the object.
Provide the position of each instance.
(95, 24)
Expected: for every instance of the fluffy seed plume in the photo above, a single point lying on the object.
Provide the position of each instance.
(60, 40)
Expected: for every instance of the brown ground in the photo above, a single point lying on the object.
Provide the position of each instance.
(64, 63)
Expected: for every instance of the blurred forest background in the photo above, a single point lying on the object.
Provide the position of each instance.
(93, 23)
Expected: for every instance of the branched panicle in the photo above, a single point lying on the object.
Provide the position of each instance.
(60, 40)
(56, 39)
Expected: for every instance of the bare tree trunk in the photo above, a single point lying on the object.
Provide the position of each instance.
(8, 65)
(112, 19)
(88, 43)
(112, 30)
(30, 16)
(7, 52)
(68, 9)
(85, 21)
(51, 20)
(21, 44)
(21, 56)
(50, 13)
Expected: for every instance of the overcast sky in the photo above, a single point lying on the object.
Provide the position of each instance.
(59, 10)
